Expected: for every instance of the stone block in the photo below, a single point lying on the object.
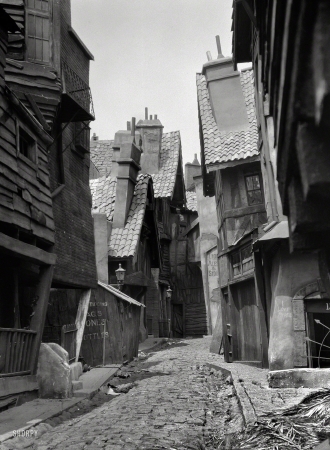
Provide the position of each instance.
(76, 385)
(298, 378)
(76, 370)
(53, 374)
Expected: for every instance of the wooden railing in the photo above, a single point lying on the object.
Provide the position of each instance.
(69, 340)
(77, 89)
(16, 351)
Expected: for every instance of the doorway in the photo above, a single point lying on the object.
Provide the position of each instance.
(318, 332)
(177, 327)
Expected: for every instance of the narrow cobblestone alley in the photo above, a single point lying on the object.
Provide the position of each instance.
(183, 403)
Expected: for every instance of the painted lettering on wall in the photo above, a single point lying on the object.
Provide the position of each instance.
(101, 335)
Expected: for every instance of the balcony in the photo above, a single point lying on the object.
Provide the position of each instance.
(77, 103)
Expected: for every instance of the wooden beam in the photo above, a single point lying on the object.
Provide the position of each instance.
(37, 112)
(26, 251)
(39, 316)
(244, 211)
(248, 11)
(81, 319)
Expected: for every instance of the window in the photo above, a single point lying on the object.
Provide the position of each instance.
(81, 136)
(38, 32)
(242, 261)
(253, 188)
(26, 145)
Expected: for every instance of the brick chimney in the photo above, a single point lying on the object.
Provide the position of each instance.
(128, 168)
(102, 233)
(191, 170)
(226, 95)
(122, 137)
(151, 131)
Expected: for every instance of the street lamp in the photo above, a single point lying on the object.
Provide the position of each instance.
(169, 293)
(120, 275)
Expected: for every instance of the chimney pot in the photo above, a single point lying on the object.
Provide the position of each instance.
(128, 125)
(155, 116)
(150, 118)
(209, 56)
(133, 127)
(220, 55)
(146, 113)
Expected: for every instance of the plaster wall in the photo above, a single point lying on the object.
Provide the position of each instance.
(101, 235)
(289, 273)
(208, 226)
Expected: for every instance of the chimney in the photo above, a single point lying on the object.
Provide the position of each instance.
(102, 233)
(226, 95)
(128, 166)
(191, 170)
(152, 132)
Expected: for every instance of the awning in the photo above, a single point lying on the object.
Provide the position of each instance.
(279, 231)
(120, 294)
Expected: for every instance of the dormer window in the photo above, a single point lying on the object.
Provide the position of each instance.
(38, 31)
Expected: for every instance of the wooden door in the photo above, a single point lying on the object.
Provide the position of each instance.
(178, 329)
(246, 323)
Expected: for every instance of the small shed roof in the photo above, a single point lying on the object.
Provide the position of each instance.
(120, 294)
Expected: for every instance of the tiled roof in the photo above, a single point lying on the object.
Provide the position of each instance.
(103, 195)
(191, 200)
(101, 155)
(123, 242)
(222, 147)
(164, 180)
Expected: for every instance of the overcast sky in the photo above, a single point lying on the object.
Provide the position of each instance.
(147, 53)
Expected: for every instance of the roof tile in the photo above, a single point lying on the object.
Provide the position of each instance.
(224, 147)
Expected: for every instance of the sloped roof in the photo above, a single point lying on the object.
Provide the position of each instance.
(191, 200)
(104, 195)
(222, 147)
(101, 156)
(123, 241)
(164, 180)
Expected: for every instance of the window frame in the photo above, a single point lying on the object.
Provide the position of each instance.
(32, 158)
(253, 174)
(240, 264)
(45, 15)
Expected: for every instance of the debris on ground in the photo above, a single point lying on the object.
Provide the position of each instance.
(299, 427)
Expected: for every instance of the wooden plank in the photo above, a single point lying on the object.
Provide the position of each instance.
(21, 205)
(43, 232)
(26, 251)
(37, 112)
(38, 319)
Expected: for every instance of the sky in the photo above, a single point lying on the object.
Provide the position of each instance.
(147, 54)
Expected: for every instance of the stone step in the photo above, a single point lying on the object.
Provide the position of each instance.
(77, 385)
(88, 393)
(76, 370)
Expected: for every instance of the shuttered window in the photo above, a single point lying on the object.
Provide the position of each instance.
(38, 30)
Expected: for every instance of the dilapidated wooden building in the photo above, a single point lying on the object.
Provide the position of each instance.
(287, 43)
(232, 173)
(45, 137)
(27, 233)
(162, 158)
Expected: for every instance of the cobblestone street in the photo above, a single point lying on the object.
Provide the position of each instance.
(183, 403)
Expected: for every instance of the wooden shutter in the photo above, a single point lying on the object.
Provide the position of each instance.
(38, 30)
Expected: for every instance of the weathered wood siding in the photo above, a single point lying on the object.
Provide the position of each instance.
(186, 280)
(112, 324)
